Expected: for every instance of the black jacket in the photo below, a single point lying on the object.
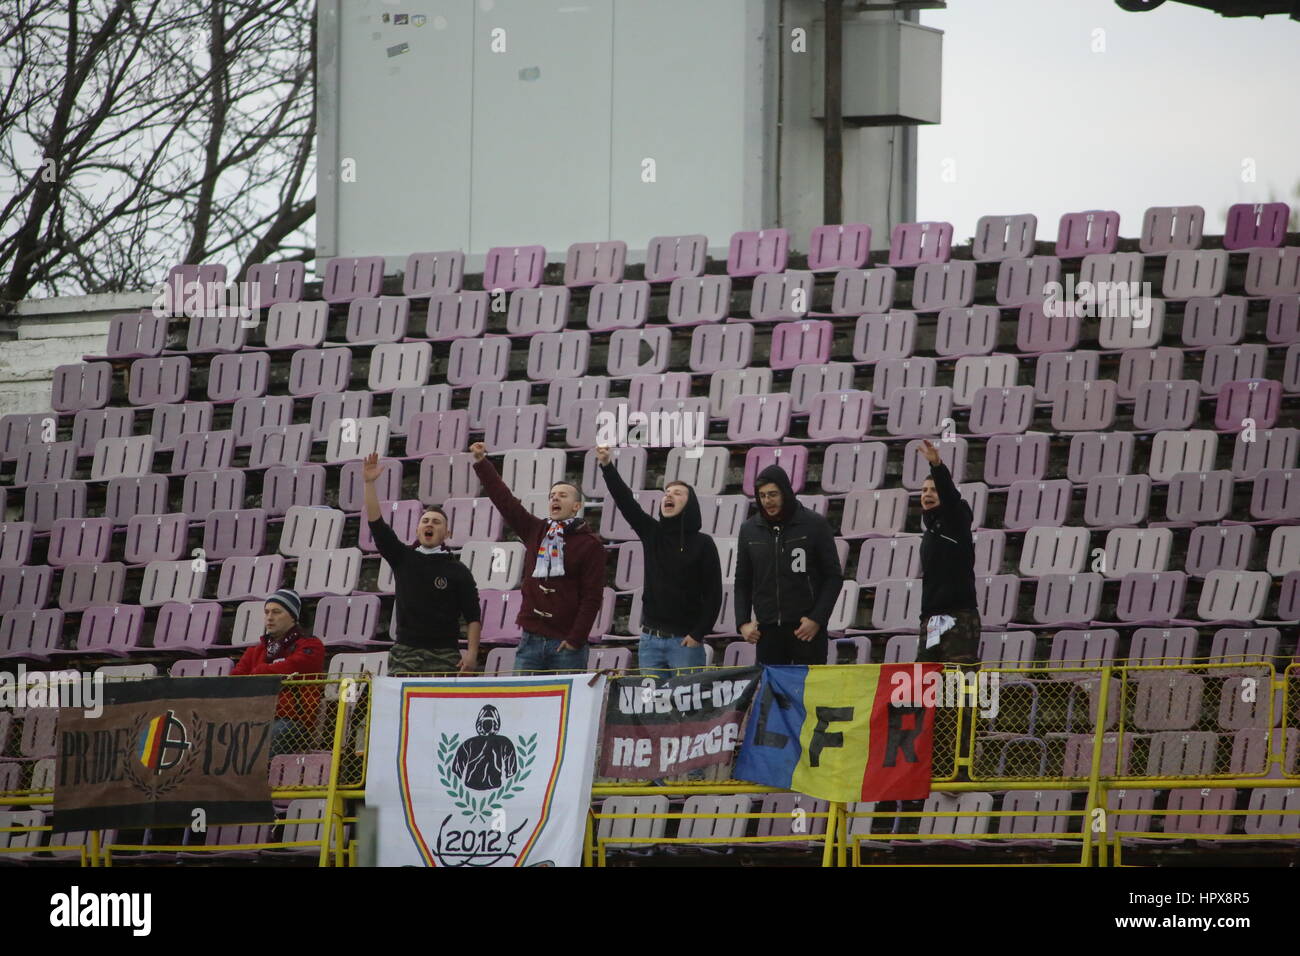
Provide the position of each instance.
(683, 576)
(787, 569)
(947, 551)
(434, 591)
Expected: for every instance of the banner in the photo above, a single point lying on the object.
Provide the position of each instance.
(165, 748)
(690, 722)
(483, 771)
(845, 733)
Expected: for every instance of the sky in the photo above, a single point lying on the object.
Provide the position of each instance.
(1054, 106)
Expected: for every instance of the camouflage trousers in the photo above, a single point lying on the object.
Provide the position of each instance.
(959, 644)
(404, 659)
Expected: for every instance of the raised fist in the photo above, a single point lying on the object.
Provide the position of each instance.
(602, 455)
(478, 450)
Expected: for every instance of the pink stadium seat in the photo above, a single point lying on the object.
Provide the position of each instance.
(943, 285)
(914, 243)
(718, 347)
(378, 319)
(84, 385)
(83, 585)
(394, 366)
(808, 380)
(675, 257)
(593, 263)
(916, 469)
(25, 588)
(1214, 321)
(797, 343)
(1083, 406)
(638, 352)
(1169, 228)
(853, 466)
(29, 635)
(1255, 225)
(296, 325)
(136, 335)
(1273, 272)
(871, 513)
(1001, 411)
(447, 476)
(1199, 274)
(839, 416)
(645, 389)
(317, 371)
(159, 381)
(966, 331)
(1012, 458)
(1137, 366)
(1022, 281)
(456, 315)
(1052, 368)
(155, 537)
(187, 627)
(429, 274)
(1037, 504)
(1067, 599)
(882, 337)
(863, 291)
(782, 295)
(215, 333)
(499, 611)
(1150, 598)
(169, 422)
(839, 247)
(44, 503)
(1116, 501)
(1258, 400)
(533, 311)
(47, 462)
(276, 283)
(699, 300)
(1004, 237)
(79, 541)
(1037, 332)
(478, 360)
(346, 621)
(290, 445)
(90, 425)
(622, 305)
(1232, 363)
(1091, 231)
(756, 253)
(917, 411)
(1283, 324)
(793, 459)
(15, 543)
(18, 431)
(1160, 406)
(759, 418)
(513, 267)
(507, 429)
(348, 278)
(891, 375)
(897, 607)
(402, 516)
(250, 578)
(1099, 454)
(202, 451)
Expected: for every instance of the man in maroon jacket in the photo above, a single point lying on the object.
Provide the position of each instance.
(285, 648)
(564, 573)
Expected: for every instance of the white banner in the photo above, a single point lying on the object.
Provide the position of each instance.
(483, 771)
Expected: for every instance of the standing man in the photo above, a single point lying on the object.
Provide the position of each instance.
(683, 577)
(434, 591)
(564, 572)
(788, 575)
(285, 648)
(950, 616)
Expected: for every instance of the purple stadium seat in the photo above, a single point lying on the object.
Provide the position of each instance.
(808, 380)
(1083, 406)
(403, 517)
(430, 274)
(1255, 225)
(645, 389)
(839, 247)
(138, 495)
(276, 283)
(31, 636)
(1160, 406)
(871, 513)
(943, 285)
(614, 527)
(346, 621)
(351, 439)
(593, 263)
(990, 545)
(410, 401)
(915, 243)
(839, 416)
(250, 579)
(437, 433)
(1273, 272)
(1116, 501)
(508, 429)
(189, 288)
(1258, 400)
(536, 476)
(863, 291)
(348, 278)
(202, 451)
(1283, 324)
(169, 422)
(15, 542)
(166, 581)
(1004, 237)
(84, 385)
(1155, 598)
(1022, 281)
(699, 300)
(290, 445)
(394, 366)
(18, 431)
(998, 595)
(966, 331)
(718, 347)
(974, 372)
(916, 469)
(793, 459)
(156, 537)
(897, 606)
(122, 458)
(1169, 228)
(375, 320)
(888, 558)
(1234, 645)
(25, 588)
(215, 332)
(456, 315)
(112, 630)
(1195, 275)
(1011, 458)
(722, 515)
(478, 360)
(79, 541)
(1083, 233)
(1112, 271)
(638, 352)
(47, 462)
(1138, 366)
(83, 585)
(1142, 331)
(447, 476)
(782, 295)
(1052, 368)
(1067, 598)
(629, 567)
(1133, 550)
(884, 337)
(917, 412)
(296, 325)
(317, 371)
(207, 491)
(560, 394)
(1178, 752)
(1214, 321)
(797, 343)
(136, 335)
(707, 473)
(90, 425)
(1291, 372)
(250, 414)
(1232, 363)
(230, 533)
(1288, 599)
(499, 611)
(623, 305)
(326, 410)
(1173, 452)
(1234, 596)
(286, 486)
(1037, 332)
(1099, 454)
(756, 253)
(513, 267)
(894, 374)
(1002, 411)
(1224, 548)
(726, 385)
(759, 418)
(1037, 504)
(675, 257)
(485, 397)
(44, 503)
(1078, 649)
(535, 311)
(159, 381)
(310, 529)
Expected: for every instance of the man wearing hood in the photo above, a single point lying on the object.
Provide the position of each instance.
(683, 577)
(434, 591)
(788, 575)
(563, 574)
(950, 617)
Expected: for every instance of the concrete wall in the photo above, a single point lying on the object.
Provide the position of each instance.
(42, 334)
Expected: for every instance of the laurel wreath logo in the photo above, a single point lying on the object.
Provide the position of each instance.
(155, 786)
(481, 808)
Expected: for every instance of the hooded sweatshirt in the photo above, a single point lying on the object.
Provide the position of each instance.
(786, 567)
(563, 608)
(947, 551)
(683, 576)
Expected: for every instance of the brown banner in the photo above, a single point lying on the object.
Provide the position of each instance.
(168, 752)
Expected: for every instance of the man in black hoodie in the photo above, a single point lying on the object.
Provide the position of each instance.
(950, 617)
(683, 577)
(788, 575)
(434, 591)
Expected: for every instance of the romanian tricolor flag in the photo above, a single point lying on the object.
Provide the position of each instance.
(151, 740)
(843, 733)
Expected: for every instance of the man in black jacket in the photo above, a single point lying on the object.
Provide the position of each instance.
(950, 617)
(788, 575)
(434, 591)
(683, 577)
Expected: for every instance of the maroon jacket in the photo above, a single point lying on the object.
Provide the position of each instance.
(563, 608)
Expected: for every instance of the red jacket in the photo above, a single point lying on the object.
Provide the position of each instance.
(306, 657)
(563, 608)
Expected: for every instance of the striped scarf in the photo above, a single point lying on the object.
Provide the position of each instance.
(550, 552)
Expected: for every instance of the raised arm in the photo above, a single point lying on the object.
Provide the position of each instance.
(641, 522)
(520, 519)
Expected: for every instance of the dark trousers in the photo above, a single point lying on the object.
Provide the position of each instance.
(778, 645)
(959, 644)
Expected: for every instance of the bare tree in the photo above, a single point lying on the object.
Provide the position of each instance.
(135, 134)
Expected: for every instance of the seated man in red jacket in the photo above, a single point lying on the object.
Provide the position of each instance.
(286, 649)
(563, 574)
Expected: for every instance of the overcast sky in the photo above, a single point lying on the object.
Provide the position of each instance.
(1174, 109)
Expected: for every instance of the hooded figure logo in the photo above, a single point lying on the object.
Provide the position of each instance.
(484, 761)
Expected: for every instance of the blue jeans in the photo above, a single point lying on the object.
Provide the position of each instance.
(660, 656)
(537, 653)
